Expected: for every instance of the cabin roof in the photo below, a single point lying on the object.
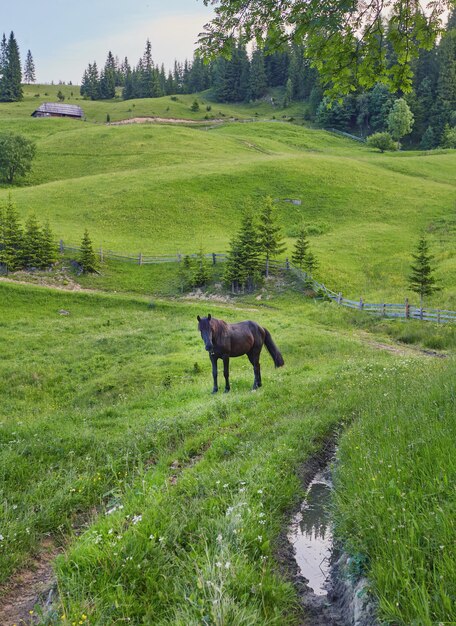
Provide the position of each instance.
(60, 109)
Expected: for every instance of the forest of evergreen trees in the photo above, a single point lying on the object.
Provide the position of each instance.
(248, 77)
(10, 70)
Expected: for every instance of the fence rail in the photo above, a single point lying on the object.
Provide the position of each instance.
(383, 309)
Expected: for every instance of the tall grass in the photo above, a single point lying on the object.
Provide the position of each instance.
(395, 496)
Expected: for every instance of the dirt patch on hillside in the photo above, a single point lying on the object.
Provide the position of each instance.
(163, 120)
(402, 349)
(29, 587)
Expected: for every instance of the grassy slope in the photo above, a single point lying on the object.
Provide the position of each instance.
(99, 404)
(162, 189)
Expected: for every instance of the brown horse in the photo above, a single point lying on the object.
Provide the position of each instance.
(223, 340)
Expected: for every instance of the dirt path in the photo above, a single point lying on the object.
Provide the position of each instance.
(163, 120)
(401, 349)
(28, 587)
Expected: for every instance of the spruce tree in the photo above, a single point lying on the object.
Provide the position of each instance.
(288, 97)
(29, 69)
(310, 263)
(87, 258)
(32, 243)
(10, 83)
(184, 273)
(48, 249)
(301, 249)
(201, 274)
(422, 280)
(257, 82)
(243, 268)
(11, 244)
(270, 238)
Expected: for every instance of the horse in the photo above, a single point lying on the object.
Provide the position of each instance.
(223, 340)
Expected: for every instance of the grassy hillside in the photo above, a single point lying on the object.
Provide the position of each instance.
(163, 189)
(110, 407)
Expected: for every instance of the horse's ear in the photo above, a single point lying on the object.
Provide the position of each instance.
(198, 318)
(209, 317)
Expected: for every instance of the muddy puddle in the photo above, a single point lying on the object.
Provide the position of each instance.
(310, 533)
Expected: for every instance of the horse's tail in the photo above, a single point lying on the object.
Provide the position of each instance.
(272, 349)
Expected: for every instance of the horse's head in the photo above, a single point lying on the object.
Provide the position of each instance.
(205, 328)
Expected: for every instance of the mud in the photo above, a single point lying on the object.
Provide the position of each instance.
(328, 593)
(29, 588)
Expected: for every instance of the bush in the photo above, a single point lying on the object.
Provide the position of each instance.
(382, 141)
(16, 155)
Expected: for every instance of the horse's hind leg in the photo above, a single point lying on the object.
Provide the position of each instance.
(226, 373)
(254, 359)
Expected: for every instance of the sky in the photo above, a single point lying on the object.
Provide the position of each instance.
(64, 36)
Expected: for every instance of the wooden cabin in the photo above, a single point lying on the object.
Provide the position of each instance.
(54, 109)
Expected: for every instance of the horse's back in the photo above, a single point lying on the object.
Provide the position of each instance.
(244, 336)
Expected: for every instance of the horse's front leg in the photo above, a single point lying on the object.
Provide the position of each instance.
(214, 373)
(226, 373)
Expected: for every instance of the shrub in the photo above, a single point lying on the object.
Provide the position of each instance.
(382, 141)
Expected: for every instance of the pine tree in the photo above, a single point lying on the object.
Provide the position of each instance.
(87, 259)
(11, 244)
(48, 249)
(422, 280)
(310, 263)
(301, 249)
(185, 273)
(428, 140)
(32, 243)
(242, 270)
(29, 69)
(257, 83)
(270, 238)
(288, 97)
(10, 83)
(201, 274)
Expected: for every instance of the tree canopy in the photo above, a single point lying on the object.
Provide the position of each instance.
(346, 41)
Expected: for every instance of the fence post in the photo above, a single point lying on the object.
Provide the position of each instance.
(361, 304)
(140, 259)
(438, 316)
(407, 309)
(214, 258)
(179, 257)
(339, 298)
(101, 254)
(383, 310)
(287, 264)
(61, 246)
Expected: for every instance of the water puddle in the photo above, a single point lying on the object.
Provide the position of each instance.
(310, 533)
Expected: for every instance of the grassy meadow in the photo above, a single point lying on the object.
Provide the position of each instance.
(107, 418)
(169, 502)
(365, 211)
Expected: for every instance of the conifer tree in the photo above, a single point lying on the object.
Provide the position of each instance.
(242, 270)
(270, 238)
(10, 83)
(301, 249)
(87, 258)
(32, 243)
(310, 263)
(422, 280)
(288, 97)
(257, 83)
(201, 274)
(11, 244)
(185, 273)
(48, 249)
(29, 69)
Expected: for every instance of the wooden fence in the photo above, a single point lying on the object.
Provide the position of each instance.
(404, 310)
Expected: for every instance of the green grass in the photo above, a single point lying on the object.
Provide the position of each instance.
(395, 498)
(110, 405)
(165, 189)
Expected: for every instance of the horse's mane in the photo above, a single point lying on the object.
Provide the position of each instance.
(218, 327)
